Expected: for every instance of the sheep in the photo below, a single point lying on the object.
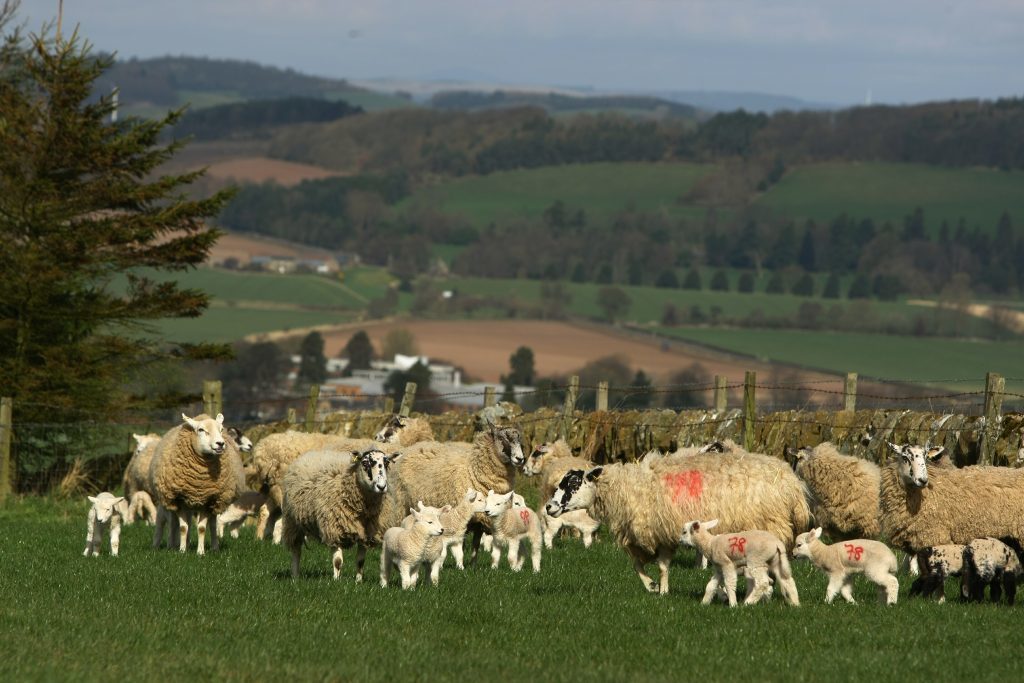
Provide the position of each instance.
(938, 564)
(645, 506)
(759, 552)
(335, 498)
(455, 520)
(404, 431)
(990, 562)
(247, 505)
(134, 482)
(513, 522)
(843, 561)
(922, 506)
(551, 461)
(107, 512)
(844, 491)
(439, 473)
(194, 472)
(407, 548)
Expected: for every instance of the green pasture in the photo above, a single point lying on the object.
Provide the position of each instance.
(236, 615)
(890, 191)
(601, 190)
(875, 355)
(225, 323)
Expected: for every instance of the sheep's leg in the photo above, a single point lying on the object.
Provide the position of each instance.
(757, 584)
(913, 566)
(486, 543)
(278, 527)
(360, 561)
(1010, 586)
(474, 545)
(90, 533)
(407, 580)
(262, 517)
(202, 519)
(551, 527)
(183, 522)
(97, 541)
(729, 579)
(495, 555)
(995, 590)
(640, 566)
(385, 567)
(535, 550)
(847, 590)
(712, 588)
(835, 582)
(435, 569)
(115, 536)
(148, 509)
(158, 532)
(337, 560)
(513, 555)
(215, 535)
(588, 535)
(703, 561)
(664, 562)
(456, 552)
(134, 501)
(888, 585)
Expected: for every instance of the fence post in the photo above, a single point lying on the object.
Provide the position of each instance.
(994, 385)
(389, 405)
(850, 392)
(212, 397)
(749, 408)
(314, 397)
(407, 399)
(721, 397)
(488, 397)
(291, 417)
(602, 396)
(570, 404)
(6, 405)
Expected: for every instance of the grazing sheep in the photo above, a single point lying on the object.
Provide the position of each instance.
(551, 461)
(135, 480)
(938, 564)
(990, 562)
(513, 522)
(404, 431)
(195, 473)
(455, 520)
(922, 506)
(407, 548)
(439, 473)
(336, 499)
(844, 491)
(644, 507)
(106, 513)
(247, 505)
(759, 552)
(843, 561)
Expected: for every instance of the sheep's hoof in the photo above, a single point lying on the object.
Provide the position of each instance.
(652, 587)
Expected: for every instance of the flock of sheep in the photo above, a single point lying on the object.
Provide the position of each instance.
(418, 499)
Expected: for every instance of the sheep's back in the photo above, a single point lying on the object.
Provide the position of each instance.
(845, 492)
(322, 497)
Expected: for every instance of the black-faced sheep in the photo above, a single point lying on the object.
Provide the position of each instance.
(551, 461)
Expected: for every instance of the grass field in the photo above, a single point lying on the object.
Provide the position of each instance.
(224, 323)
(885, 191)
(156, 615)
(601, 190)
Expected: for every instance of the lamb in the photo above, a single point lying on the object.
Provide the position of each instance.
(195, 472)
(513, 522)
(335, 498)
(990, 562)
(407, 548)
(758, 551)
(135, 480)
(551, 461)
(938, 564)
(844, 491)
(454, 520)
(248, 504)
(107, 513)
(922, 506)
(844, 561)
(404, 431)
(645, 506)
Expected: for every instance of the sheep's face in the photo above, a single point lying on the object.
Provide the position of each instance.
(477, 501)
(509, 445)
(428, 517)
(209, 439)
(391, 431)
(534, 463)
(912, 463)
(576, 491)
(798, 456)
(692, 529)
(373, 469)
(497, 503)
(143, 440)
(802, 547)
(241, 440)
(105, 504)
(713, 447)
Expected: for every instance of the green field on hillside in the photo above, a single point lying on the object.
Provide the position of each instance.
(876, 355)
(601, 190)
(314, 291)
(888, 192)
(236, 614)
(226, 323)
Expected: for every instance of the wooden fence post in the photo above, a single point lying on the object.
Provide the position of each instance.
(850, 392)
(994, 386)
(721, 396)
(212, 403)
(488, 397)
(6, 467)
(749, 408)
(602, 396)
(571, 393)
(389, 405)
(314, 398)
(407, 399)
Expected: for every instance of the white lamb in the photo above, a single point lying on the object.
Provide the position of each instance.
(455, 519)
(247, 505)
(759, 551)
(843, 561)
(513, 522)
(107, 513)
(408, 548)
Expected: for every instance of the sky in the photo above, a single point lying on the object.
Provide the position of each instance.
(831, 51)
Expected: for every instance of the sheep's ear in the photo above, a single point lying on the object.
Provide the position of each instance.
(419, 505)
(220, 418)
(356, 456)
(189, 421)
(817, 532)
(936, 452)
(118, 499)
(391, 458)
(92, 499)
(490, 492)
(446, 508)
(711, 524)
(414, 513)
(593, 474)
(894, 448)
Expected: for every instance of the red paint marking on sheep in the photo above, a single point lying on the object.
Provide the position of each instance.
(688, 484)
(854, 552)
(737, 545)
(525, 516)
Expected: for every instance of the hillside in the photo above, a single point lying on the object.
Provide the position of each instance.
(555, 103)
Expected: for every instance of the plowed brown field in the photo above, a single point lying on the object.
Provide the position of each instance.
(263, 169)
